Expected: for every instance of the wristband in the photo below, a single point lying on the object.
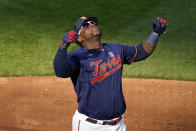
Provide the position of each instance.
(153, 38)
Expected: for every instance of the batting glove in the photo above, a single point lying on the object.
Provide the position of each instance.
(68, 38)
(159, 26)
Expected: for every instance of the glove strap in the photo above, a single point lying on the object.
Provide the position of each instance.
(153, 38)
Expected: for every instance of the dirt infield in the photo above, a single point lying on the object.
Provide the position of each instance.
(48, 103)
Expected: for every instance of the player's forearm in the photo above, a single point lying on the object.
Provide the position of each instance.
(61, 66)
(148, 47)
(145, 48)
(150, 43)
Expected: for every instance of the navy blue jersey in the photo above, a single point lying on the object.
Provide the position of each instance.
(96, 75)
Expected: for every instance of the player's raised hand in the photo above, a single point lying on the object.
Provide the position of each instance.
(159, 26)
(68, 38)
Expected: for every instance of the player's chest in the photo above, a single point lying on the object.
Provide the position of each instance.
(100, 63)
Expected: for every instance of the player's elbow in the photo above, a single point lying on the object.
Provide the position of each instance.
(62, 71)
(61, 75)
(141, 53)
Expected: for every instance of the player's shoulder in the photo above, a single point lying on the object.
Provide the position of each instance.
(119, 47)
(112, 45)
(76, 52)
(80, 53)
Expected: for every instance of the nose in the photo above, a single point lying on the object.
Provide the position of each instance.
(92, 24)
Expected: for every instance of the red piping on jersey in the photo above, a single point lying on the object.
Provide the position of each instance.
(101, 77)
(134, 55)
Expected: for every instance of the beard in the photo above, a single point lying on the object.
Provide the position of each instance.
(96, 31)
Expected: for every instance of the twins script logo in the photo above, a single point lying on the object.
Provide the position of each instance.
(100, 69)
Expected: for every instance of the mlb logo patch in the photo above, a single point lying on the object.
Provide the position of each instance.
(111, 54)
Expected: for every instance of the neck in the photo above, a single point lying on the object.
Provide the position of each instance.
(92, 44)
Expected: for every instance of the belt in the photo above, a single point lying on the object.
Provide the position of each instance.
(111, 122)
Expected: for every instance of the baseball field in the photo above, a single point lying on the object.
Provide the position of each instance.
(48, 104)
(160, 92)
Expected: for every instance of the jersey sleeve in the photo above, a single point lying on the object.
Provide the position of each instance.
(129, 54)
(73, 60)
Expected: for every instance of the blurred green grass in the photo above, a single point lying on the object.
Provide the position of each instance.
(31, 30)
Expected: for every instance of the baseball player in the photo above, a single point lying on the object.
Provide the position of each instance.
(96, 70)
